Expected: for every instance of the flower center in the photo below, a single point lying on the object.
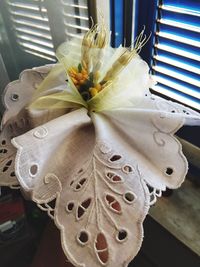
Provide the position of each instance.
(85, 82)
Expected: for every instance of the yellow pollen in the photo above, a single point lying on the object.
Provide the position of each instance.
(77, 77)
(98, 87)
(74, 81)
(93, 91)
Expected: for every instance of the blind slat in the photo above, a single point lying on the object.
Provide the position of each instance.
(26, 6)
(74, 5)
(29, 16)
(33, 52)
(178, 64)
(31, 24)
(180, 18)
(186, 99)
(70, 21)
(176, 56)
(183, 4)
(174, 23)
(31, 28)
(75, 17)
(178, 51)
(166, 81)
(176, 75)
(33, 32)
(180, 10)
(37, 48)
(71, 34)
(31, 39)
(179, 38)
(76, 26)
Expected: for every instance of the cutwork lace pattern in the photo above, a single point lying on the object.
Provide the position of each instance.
(102, 209)
(15, 122)
(101, 206)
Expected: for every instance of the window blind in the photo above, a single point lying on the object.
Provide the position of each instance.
(30, 25)
(75, 16)
(36, 26)
(176, 53)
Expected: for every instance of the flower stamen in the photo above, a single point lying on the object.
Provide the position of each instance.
(84, 82)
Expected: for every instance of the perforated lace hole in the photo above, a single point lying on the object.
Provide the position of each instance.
(173, 111)
(80, 171)
(110, 199)
(116, 178)
(109, 175)
(103, 256)
(169, 171)
(83, 237)
(113, 177)
(186, 112)
(82, 181)
(113, 204)
(9, 163)
(70, 206)
(52, 203)
(152, 199)
(122, 235)
(14, 97)
(101, 248)
(33, 169)
(80, 212)
(115, 158)
(12, 174)
(116, 206)
(3, 142)
(129, 197)
(127, 169)
(101, 243)
(78, 187)
(71, 183)
(151, 189)
(85, 204)
(3, 151)
(80, 184)
(5, 169)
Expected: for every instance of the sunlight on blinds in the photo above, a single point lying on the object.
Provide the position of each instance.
(176, 53)
(31, 27)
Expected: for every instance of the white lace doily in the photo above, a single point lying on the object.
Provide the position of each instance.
(101, 170)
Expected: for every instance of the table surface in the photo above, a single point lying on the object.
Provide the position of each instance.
(180, 214)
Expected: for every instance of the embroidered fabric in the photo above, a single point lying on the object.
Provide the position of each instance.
(101, 171)
(17, 120)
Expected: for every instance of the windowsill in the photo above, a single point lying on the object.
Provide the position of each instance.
(180, 215)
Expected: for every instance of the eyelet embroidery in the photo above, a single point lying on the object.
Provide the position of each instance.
(41, 132)
(33, 170)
